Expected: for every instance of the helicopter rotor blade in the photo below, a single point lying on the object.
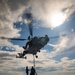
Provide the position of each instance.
(13, 38)
(29, 19)
(31, 29)
(58, 36)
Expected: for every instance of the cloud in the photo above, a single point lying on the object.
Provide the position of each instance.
(59, 47)
(64, 65)
(10, 46)
(8, 16)
(64, 47)
(11, 12)
(67, 64)
(7, 20)
(46, 65)
(46, 9)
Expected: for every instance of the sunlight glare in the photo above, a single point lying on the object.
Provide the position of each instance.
(57, 19)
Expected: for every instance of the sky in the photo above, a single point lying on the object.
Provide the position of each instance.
(51, 17)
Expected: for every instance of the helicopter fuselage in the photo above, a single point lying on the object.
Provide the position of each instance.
(37, 44)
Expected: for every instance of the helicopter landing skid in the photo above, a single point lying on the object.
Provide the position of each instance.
(21, 57)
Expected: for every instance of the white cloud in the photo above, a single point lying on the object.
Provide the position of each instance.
(43, 62)
(67, 64)
(59, 47)
(8, 17)
(9, 14)
(46, 8)
(64, 46)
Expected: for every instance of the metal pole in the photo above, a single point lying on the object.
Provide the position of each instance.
(34, 61)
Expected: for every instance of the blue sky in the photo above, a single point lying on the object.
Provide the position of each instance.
(51, 17)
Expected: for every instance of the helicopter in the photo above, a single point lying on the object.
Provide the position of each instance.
(34, 44)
